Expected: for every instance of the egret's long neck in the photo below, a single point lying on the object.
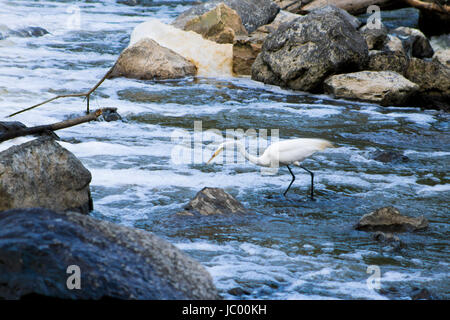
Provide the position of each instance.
(242, 150)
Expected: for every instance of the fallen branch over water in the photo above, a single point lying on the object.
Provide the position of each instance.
(51, 127)
(85, 94)
(431, 6)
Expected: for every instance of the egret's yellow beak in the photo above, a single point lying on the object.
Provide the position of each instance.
(214, 155)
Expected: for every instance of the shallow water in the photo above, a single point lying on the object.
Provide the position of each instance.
(285, 248)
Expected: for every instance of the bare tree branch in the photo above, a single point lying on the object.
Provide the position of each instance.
(51, 127)
(431, 6)
(86, 95)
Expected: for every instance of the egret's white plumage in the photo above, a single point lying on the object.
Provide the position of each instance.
(286, 152)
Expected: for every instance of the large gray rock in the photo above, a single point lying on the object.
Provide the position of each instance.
(434, 81)
(389, 219)
(254, 13)
(41, 173)
(38, 245)
(442, 56)
(211, 201)
(302, 53)
(147, 60)
(383, 87)
(246, 48)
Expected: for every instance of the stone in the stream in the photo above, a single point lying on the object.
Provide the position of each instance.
(389, 239)
(389, 219)
(222, 24)
(246, 48)
(28, 32)
(211, 201)
(109, 114)
(434, 81)
(383, 87)
(253, 13)
(388, 156)
(414, 42)
(41, 173)
(147, 60)
(38, 245)
(302, 53)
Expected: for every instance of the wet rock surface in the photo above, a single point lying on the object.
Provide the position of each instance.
(210, 201)
(389, 219)
(38, 245)
(41, 173)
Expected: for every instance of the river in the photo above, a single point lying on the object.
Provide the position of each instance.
(285, 248)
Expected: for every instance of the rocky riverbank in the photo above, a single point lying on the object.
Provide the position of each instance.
(316, 48)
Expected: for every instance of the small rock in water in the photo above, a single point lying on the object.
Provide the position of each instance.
(389, 219)
(421, 294)
(211, 201)
(388, 238)
(389, 156)
(110, 114)
(29, 32)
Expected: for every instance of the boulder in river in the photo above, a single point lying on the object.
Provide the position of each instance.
(41, 173)
(222, 24)
(383, 87)
(113, 261)
(211, 201)
(302, 53)
(389, 219)
(27, 32)
(434, 81)
(414, 42)
(147, 60)
(254, 13)
(246, 48)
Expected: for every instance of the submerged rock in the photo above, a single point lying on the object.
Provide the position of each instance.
(38, 246)
(388, 156)
(389, 219)
(254, 13)
(23, 33)
(383, 87)
(147, 60)
(221, 24)
(210, 201)
(41, 173)
(389, 239)
(302, 53)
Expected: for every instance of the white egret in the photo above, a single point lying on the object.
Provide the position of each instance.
(286, 152)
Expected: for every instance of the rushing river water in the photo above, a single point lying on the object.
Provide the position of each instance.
(290, 248)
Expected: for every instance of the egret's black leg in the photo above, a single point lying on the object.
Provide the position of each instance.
(312, 181)
(290, 184)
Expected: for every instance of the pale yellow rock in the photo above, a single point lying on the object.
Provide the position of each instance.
(211, 58)
(383, 87)
(221, 24)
